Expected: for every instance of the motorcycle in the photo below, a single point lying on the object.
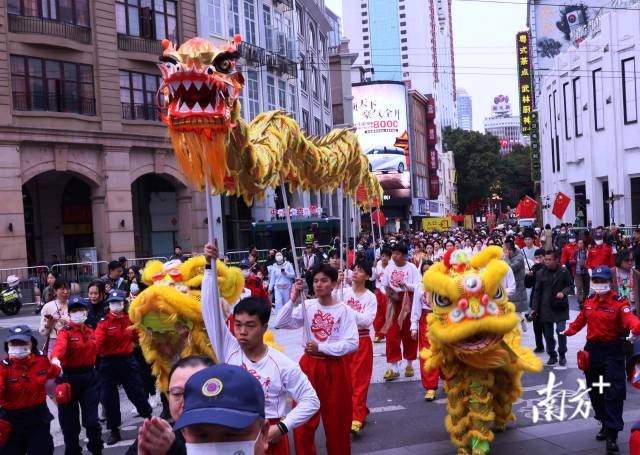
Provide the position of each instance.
(10, 296)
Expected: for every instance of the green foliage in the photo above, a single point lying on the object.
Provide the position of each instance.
(515, 175)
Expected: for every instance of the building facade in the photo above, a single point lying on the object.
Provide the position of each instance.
(504, 125)
(464, 107)
(589, 134)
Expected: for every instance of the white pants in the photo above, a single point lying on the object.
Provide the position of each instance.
(281, 296)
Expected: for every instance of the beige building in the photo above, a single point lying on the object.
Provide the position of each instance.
(84, 159)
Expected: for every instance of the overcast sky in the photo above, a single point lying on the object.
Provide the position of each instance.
(484, 46)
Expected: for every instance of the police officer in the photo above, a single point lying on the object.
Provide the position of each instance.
(609, 319)
(23, 375)
(115, 338)
(75, 351)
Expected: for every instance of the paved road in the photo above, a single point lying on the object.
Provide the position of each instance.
(401, 422)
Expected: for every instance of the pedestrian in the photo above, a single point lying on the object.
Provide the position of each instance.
(562, 238)
(515, 259)
(538, 327)
(224, 413)
(253, 261)
(118, 367)
(48, 293)
(566, 257)
(113, 280)
(551, 305)
(600, 253)
(97, 295)
(134, 282)
(309, 261)
(278, 375)
(23, 376)
(177, 254)
(363, 304)
(252, 282)
(625, 277)
(54, 315)
(608, 318)
(330, 333)
(547, 238)
(156, 436)
(281, 278)
(420, 309)
(581, 278)
(381, 297)
(400, 278)
(75, 352)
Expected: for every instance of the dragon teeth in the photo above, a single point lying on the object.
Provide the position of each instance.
(184, 108)
(187, 84)
(175, 85)
(196, 108)
(197, 84)
(209, 108)
(209, 84)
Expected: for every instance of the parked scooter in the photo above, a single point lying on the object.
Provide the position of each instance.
(10, 296)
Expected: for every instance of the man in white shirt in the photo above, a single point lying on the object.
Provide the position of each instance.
(399, 280)
(329, 333)
(279, 376)
(281, 276)
(363, 303)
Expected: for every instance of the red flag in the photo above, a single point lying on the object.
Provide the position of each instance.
(379, 218)
(560, 204)
(361, 194)
(526, 208)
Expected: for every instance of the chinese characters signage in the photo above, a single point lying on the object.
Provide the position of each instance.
(525, 85)
(306, 212)
(535, 147)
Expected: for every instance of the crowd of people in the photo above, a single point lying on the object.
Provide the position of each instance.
(345, 300)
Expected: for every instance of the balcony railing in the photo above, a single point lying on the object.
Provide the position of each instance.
(282, 65)
(254, 55)
(42, 26)
(284, 5)
(54, 103)
(140, 112)
(136, 44)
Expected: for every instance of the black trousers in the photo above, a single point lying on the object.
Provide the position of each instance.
(30, 431)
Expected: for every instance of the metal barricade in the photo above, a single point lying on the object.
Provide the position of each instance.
(236, 256)
(81, 272)
(140, 262)
(30, 278)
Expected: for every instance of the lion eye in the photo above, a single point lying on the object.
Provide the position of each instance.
(441, 301)
(473, 284)
(499, 294)
(223, 66)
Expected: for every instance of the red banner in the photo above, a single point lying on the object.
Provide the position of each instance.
(379, 218)
(560, 204)
(526, 208)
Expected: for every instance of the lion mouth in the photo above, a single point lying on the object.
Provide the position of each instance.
(477, 342)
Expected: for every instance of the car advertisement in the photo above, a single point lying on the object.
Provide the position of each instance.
(380, 119)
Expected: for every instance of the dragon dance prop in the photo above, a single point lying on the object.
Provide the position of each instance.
(475, 341)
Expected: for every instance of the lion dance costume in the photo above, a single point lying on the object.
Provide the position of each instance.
(475, 341)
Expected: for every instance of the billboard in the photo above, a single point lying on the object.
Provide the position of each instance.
(501, 106)
(380, 119)
(525, 85)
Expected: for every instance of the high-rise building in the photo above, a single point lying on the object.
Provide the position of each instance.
(503, 125)
(465, 112)
(398, 40)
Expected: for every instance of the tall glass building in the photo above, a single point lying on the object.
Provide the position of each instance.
(465, 114)
(385, 40)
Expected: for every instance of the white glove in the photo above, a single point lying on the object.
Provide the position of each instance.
(632, 338)
(56, 361)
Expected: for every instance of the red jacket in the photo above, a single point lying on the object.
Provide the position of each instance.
(76, 346)
(115, 335)
(567, 254)
(606, 320)
(600, 255)
(22, 381)
(254, 284)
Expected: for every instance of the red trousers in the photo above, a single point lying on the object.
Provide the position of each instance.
(429, 378)
(331, 381)
(361, 366)
(634, 442)
(281, 447)
(400, 335)
(381, 312)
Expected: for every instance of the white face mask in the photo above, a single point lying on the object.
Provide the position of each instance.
(116, 307)
(78, 317)
(222, 448)
(134, 289)
(572, 240)
(19, 352)
(598, 242)
(246, 273)
(279, 258)
(600, 288)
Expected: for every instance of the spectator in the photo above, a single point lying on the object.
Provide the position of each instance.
(113, 280)
(123, 260)
(225, 259)
(562, 238)
(547, 238)
(625, 277)
(253, 261)
(281, 279)
(551, 305)
(48, 293)
(55, 315)
(223, 412)
(581, 277)
(515, 259)
(538, 327)
(309, 262)
(253, 283)
(636, 248)
(177, 254)
(134, 282)
(97, 307)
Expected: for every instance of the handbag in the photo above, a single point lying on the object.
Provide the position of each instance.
(63, 393)
(560, 304)
(529, 280)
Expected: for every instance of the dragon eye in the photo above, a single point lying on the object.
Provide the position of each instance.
(441, 301)
(223, 66)
(210, 71)
(499, 294)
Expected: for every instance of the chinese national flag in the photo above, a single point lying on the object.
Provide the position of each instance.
(560, 204)
(526, 208)
(379, 218)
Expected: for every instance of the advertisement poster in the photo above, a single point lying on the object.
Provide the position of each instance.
(436, 224)
(380, 119)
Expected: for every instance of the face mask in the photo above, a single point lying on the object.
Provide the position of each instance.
(222, 448)
(600, 288)
(246, 273)
(572, 240)
(598, 242)
(563, 232)
(134, 288)
(19, 352)
(78, 317)
(116, 307)
(279, 258)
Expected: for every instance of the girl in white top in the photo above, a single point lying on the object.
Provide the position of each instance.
(55, 315)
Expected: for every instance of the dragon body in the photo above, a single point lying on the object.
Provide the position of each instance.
(475, 341)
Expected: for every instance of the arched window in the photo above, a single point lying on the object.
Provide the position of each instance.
(312, 36)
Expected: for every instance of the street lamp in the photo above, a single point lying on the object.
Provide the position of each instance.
(611, 201)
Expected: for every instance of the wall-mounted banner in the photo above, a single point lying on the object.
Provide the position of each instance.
(525, 85)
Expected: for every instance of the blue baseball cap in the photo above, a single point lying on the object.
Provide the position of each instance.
(602, 271)
(76, 300)
(244, 264)
(116, 296)
(20, 332)
(224, 395)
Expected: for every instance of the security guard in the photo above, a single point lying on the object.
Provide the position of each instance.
(75, 351)
(115, 338)
(609, 319)
(23, 375)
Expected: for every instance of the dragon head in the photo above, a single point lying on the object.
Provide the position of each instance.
(200, 84)
(471, 311)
